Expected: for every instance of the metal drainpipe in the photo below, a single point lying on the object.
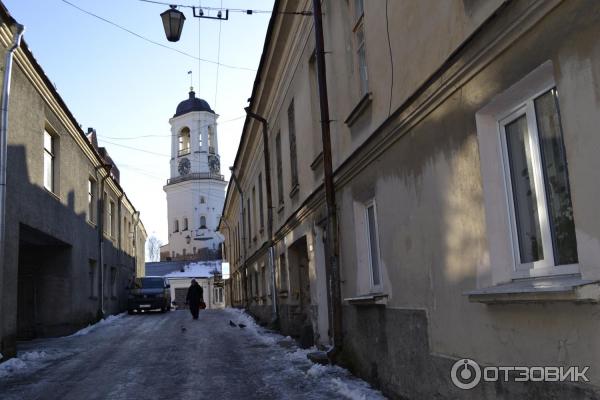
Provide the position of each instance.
(8, 61)
(107, 167)
(136, 216)
(332, 262)
(244, 266)
(271, 250)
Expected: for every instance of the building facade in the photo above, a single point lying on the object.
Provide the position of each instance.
(464, 147)
(73, 238)
(196, 189)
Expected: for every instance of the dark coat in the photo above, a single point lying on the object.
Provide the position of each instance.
(195, 294)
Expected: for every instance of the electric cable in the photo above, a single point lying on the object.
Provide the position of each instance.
(152, 41)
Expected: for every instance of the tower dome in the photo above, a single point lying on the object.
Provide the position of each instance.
(192, 104)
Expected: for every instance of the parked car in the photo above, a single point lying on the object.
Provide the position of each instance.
(149, 293)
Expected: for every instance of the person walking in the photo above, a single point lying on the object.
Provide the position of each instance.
(195, 297)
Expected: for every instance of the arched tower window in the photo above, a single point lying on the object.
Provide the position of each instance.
(200, 140)
(185, 224)
(202, 222)
(211, 139)
(184, 141)
(176, 226)
(202, 200)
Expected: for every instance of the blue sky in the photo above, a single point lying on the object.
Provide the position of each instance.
(125, 87)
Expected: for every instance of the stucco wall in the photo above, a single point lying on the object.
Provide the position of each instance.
(432, 225)
(59, 221)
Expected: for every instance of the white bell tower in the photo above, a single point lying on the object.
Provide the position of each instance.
(196, 188)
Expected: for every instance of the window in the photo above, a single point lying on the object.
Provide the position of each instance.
(254, 203)
(105, 281)
(282, 273)
(293, 156)
(359, 46)
(314, 103)
(184, 141)
(110, 217)
(202, 222)
(49, 156)
(248, 213)
(91, 200)
(176, 226)
(526, 181)
(279, 167)
(256, 287)
(373, 239)
(260, 202)
(113, 282)
(265, 282)
(211, 139)
(538, 184)
(202, 200)
(185, 224)
(130, 233)
(200, 140)
(92, 279)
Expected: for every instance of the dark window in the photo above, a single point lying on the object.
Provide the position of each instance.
(260, 201)
(293, 156)
(279, 167)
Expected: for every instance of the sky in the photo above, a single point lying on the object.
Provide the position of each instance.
(127, 88)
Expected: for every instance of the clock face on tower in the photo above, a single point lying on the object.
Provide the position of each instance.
(214, 164)
(184, 166)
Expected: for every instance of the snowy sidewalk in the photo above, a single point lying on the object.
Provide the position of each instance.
(156, 356)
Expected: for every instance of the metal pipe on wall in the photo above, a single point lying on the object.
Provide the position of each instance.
(332, 267)
(271, 250)
(8, 61)
(107, 167)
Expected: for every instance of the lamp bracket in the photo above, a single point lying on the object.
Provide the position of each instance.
(200, 14)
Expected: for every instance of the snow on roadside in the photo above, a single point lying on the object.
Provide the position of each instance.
(106, 321)
(33, 360)
(29, 361)
(333, 377)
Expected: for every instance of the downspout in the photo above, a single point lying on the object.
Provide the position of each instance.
(136, 216)
(120, 233)
(107, 168)
(271, 250)
(244, 267)
(8, 61)
(332, 268)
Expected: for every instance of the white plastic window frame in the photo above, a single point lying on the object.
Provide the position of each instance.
(503, 242)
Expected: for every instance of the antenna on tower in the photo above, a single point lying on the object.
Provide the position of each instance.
(191, 80)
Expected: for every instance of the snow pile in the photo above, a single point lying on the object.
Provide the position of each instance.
(31, 360)
(204, 269)
(295, 365)
(106, 321)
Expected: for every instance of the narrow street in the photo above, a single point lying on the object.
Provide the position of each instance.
(171, 356)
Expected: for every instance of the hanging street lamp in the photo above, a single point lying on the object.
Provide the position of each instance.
(173, 20)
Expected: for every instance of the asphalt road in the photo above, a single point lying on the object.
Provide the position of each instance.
(171, 356)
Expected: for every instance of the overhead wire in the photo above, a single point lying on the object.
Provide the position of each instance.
(152, 41)
(233, 10)
(164, 135)
(134, 148)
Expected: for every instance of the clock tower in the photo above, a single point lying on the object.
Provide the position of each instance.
(196, 189)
